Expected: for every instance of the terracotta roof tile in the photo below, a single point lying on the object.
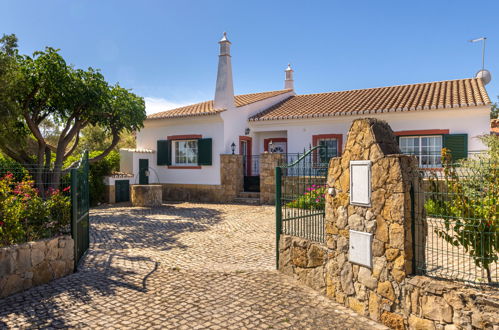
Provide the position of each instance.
(206, 108)
(434, 95)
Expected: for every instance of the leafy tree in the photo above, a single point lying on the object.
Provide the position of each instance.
(95, 138)
(494, 112)
(48, 90)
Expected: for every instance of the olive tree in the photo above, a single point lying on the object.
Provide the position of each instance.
(48, 89)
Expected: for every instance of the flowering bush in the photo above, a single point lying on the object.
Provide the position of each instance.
(313, 199)
(470, 207)
(25, 216)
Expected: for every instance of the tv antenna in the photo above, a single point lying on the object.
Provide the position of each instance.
(483, 49)
(483, 74)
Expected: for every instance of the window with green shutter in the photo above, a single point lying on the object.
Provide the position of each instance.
(457, 144)
(205, 151)
(164, 150)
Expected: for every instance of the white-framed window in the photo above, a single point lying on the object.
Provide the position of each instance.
(427, 149)
(185, 152)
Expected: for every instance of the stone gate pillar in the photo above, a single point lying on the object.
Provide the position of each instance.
(232, 176)
(268, 163)
(374, 291)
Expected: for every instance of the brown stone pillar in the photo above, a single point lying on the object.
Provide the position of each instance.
(232, 176)
(376, 291)
(268, 163)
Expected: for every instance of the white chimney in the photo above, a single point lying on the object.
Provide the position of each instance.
(289, 83)
(224, 94)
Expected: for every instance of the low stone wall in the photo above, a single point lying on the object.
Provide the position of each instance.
(195, 193)
(231, 174)
(26, 265)
(418, 302)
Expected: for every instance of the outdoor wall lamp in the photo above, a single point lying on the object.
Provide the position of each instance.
(271, 144)
(233, 147)
(247, 131)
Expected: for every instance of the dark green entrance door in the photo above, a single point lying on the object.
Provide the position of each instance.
(122, 191)
(143, 171)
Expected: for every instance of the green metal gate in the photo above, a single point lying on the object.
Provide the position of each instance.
(80, 203)
(300, 196)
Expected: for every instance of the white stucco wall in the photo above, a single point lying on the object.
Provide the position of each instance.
(259, 138)
(207, 126)
(236, 119)
(473, 121)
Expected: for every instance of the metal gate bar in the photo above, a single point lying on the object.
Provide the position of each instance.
(300, 196)
(80, 203)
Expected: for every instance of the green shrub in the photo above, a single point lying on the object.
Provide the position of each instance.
(97, 172)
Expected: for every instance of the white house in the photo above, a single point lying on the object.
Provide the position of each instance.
(181, 147)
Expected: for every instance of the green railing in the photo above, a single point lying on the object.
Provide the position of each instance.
(80, 200)
(300, 196)
(457, 237)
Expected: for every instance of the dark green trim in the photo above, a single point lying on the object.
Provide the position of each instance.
(205, 151)
(457, 144)
(164, 152)
(278, 213)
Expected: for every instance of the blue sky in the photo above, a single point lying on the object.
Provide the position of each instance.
(167, 51)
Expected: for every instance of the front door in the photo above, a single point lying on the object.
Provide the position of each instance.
(143, 171)
(251, 165)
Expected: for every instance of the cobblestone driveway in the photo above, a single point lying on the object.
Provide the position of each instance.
(179, 266)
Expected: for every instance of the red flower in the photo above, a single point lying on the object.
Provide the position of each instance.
(1, 223)
(66, 189)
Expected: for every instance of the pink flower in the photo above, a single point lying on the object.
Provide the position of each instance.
(66, 189)
(1, 223)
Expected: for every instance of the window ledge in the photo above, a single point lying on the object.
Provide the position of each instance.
(184, 167)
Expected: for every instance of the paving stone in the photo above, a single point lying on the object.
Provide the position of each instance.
(178, 266)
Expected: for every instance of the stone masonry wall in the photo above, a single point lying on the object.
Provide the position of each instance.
(231, 173)
(387, 292)
(26, 265)
(268, 163)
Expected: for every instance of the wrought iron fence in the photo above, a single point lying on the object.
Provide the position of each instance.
(300, 195)
(251, 165)
(433, 159)
(457, 237)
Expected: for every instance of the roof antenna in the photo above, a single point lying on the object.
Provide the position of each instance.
(483, 74)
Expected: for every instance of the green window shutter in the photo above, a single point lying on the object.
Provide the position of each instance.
(204, 151)
(164, 152)
(457, 144)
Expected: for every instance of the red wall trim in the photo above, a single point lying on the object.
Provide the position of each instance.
(184, 167)
(267, 141)
(422, 132)
(339, 137)
(184, 137)
(249, 140)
